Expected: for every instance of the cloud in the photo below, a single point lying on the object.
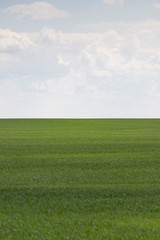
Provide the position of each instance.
(13, 42)
(156, 4)
(36, 11)
(114, 2)
(56, 74)
(61, 61)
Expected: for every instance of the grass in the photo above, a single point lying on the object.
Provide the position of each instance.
(79, 179)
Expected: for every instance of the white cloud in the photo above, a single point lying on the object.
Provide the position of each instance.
(61, 61)
(156, 4)
(114, 2)
(56, 74)
(37, 11)
(12, 41)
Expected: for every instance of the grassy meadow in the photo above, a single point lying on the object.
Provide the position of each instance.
(65, 179)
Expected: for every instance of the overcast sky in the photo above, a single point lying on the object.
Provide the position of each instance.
(80, 58)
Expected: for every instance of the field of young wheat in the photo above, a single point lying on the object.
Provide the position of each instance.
(82, 179)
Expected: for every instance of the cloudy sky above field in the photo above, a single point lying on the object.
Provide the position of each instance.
(80, 58)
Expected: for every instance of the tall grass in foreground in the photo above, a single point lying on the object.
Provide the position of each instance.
(79, 179)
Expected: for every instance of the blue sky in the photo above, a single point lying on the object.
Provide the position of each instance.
(88, 58)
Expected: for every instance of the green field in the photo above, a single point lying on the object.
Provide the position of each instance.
(82, 179)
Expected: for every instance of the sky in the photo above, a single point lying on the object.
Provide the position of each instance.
(80, 59)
